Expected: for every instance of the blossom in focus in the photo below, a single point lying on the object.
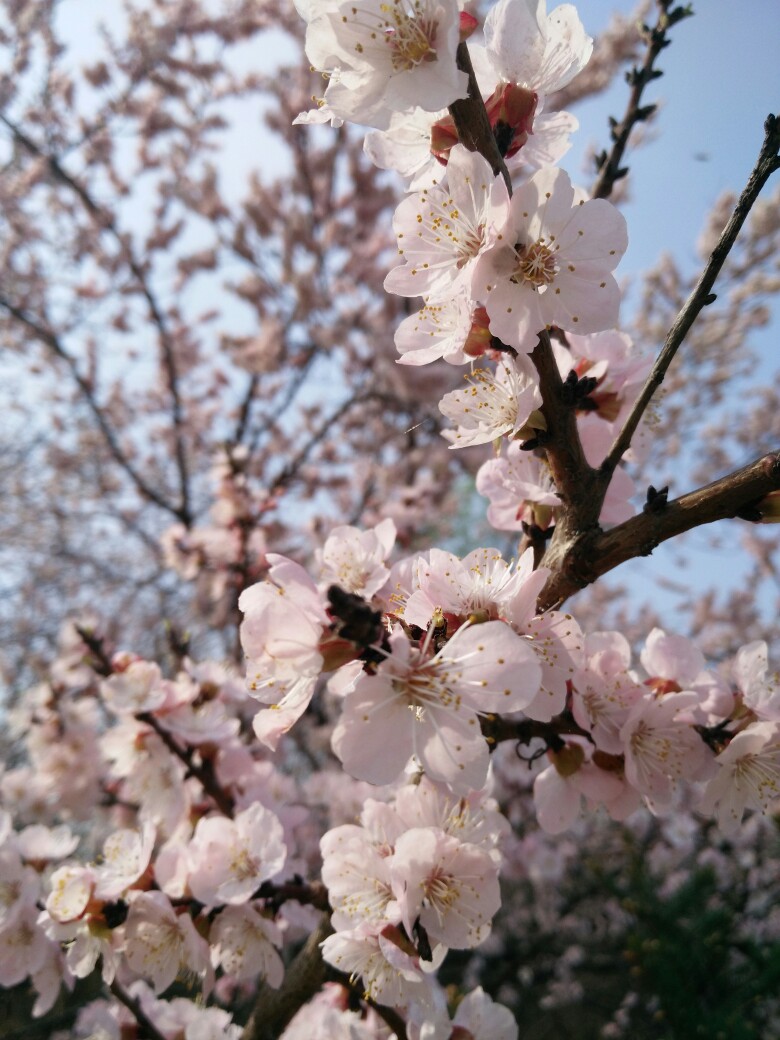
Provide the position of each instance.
(551, 263)
(442, 231)
(449, 885)
(748, 776)
(425, 704)
(387, 56)
(494, 406)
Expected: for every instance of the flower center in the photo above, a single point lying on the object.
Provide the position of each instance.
(410, 33)
(536, 265)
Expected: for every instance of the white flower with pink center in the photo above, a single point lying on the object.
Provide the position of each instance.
(494, 405)
(570, 780)
(126, 856)
(520, 489)
(450, 886)
(551, 263)
(388, 56)
(231, 858)
(284, 622)
(439, 329)
(604, 692)
(760, 688)
(473, 818)
(661, 747)
(541, 51)
(748, 776)
(243, 943)
(427, 705)
(386, 962)
(357, 876)
(355, 560)
(442, 231)
(161, 944)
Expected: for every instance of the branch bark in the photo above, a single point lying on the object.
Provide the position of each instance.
(471, 120)
(594, 554)
(304, 977)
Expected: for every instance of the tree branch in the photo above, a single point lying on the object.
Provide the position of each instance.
(766, 164)
(147, 1029)
(50, 340)
(471, 120)
(106, 222)
(204, 772)
(304, 977)
(595, 553)
(609, 166)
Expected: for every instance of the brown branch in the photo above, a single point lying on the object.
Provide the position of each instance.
(609, 166)
(595, 553)
(304, 977)
(496, 729)
(766, 164)
(147, 1030)
(49, 339)
(472, 123)
(106, 222)
(204, 772)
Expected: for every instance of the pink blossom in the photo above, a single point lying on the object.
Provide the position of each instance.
(427, 705)
(660, 747)
(160, 944)
(243, 943)
(387, 56)
(551, 263)
(442, 231)
(355, 560)
(231, 858)
(449, 885)
(541, 51)
(520, 490)
(760, 688)
(494, 405)
(387, 964)
(748, 776)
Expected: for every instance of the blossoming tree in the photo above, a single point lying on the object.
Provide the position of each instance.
(304, 845)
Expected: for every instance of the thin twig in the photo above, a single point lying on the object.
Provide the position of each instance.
(609, 164)
(768, 161)
(147, 1029)
(204, 773)
(49, 339)
(106, 222)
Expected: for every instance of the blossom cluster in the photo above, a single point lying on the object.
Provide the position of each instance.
(496, 265)
(220, 838)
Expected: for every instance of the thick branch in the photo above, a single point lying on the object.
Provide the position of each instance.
(609, 166)
(304, 977)
(768, 161)
(106, 222)
(596, 553)
(472, 123)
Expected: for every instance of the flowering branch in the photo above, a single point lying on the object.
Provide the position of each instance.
(471, 120)
(203, 772)
(608, 165)
(768, 161)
